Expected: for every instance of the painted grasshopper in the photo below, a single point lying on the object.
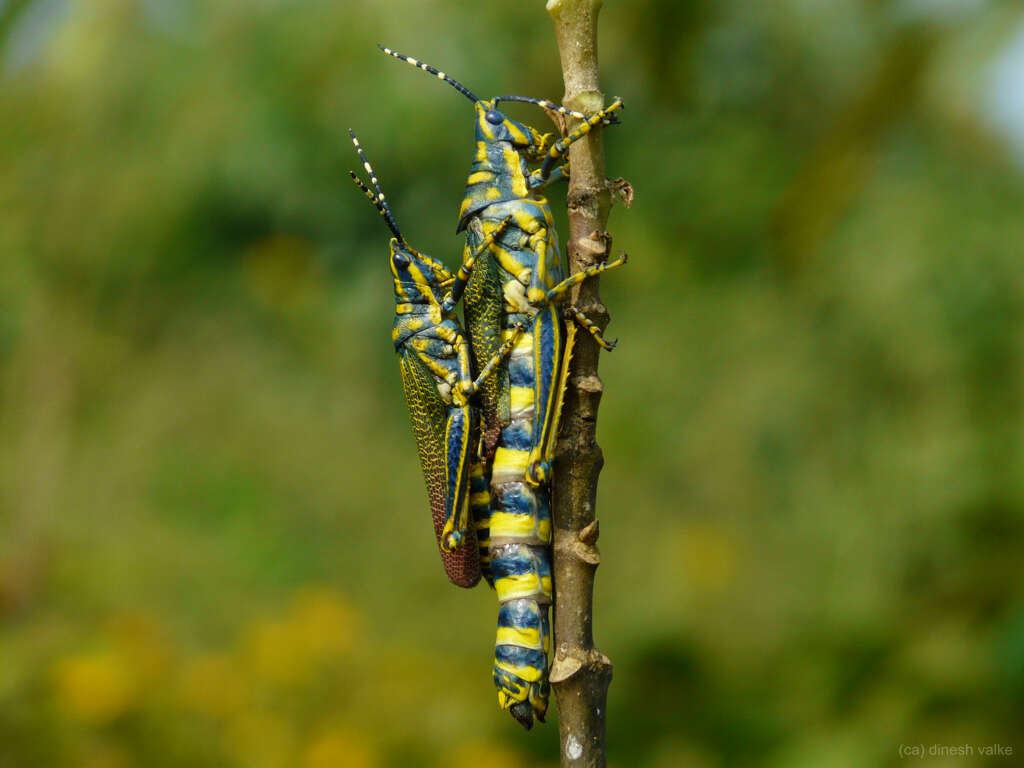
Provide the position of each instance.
(436, 376)
(519, 283)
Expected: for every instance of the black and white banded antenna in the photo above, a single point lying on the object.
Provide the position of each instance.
(432, 70)
(379, 201)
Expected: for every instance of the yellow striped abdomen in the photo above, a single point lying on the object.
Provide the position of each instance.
(520, 555)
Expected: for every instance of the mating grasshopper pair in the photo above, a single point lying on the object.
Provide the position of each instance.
(492, 461)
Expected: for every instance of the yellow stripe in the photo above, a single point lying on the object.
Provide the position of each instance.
(518, 526)
(560, 384)
(514, 163)
(481, 497)
(545, 586)
(512, 159)
(522, 347)
(476, 178)
(529, 674)
(544, 531)
(492, 193)
(520, 398)
(457, 521)
(517, 136)
(546, 407)
(506, 699)
(525, 221)
(507, 460)
(489, 227)
(486, 127)
(525, 637)
(416, 274)
(518, 585)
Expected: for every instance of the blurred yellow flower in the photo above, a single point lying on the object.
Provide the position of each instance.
(318, 627)
(260, 740)
(325, 620)
(94, 688)
(275, 652)
(103, 756)
(477, 753)
(214, 685)
(340, 748)
(138, 640)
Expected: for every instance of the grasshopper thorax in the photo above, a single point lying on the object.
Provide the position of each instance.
(499, 172)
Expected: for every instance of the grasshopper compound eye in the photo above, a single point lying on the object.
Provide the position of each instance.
(400, 260)
(494, 117)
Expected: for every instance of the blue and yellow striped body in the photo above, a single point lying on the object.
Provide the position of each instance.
(518, 528)
(518, 283)
(527, 279)
(521, 404)
(434, 360)
(524, 261)
(520, 555)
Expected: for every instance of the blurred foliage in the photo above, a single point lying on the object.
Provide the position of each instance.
(214, 542)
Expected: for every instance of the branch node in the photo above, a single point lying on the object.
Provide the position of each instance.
(590, 533)
(586, 553)
(559, 120)
(566, 664)
(593, 245)
(586, 99)
(583, 197)
(580, 551)
(622, 190)
(590, 384)
(569, 662)
(596, 311)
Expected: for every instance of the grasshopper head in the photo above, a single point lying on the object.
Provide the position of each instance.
(418, 278)
(493, 125)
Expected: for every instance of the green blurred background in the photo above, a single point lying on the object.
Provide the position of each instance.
(214, 542)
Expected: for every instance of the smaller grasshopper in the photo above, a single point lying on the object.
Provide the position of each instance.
(434, 359)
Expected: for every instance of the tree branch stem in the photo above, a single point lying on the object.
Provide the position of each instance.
(580, 674)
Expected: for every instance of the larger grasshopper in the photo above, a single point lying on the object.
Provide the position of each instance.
(436, 376)
(519, 282)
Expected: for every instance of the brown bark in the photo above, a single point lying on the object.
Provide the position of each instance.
(580, 674)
